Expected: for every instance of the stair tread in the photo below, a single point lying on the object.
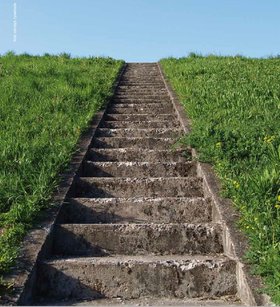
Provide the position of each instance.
(140, 117)
(141, 163)
(137, 105)
(141, 129)
(137, 199)
(138, 154)
(138, 169)
(168, 260)
(137, 239)
(139, 132)
(135, 179)
(133, 142)
(142, 150)
(135, 138)
(230, 300)
(136, 210)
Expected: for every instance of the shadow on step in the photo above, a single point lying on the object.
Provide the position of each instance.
(77, 212)
(54, 287)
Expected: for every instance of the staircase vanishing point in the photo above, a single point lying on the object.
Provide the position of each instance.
(137, 227)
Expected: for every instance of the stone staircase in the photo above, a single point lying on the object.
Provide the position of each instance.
(136, 227)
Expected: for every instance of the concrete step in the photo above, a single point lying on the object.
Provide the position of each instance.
(145, 72)
(141, 75)
(98, 240)
(135, 79)
(141, 83)
(144, 84)
(143, 105)
(140, 100)
(133, 142)
(131, 277)
(94, 187)
(162, 97)
(137, 108)
(138, 169)
(142, 87)
(136, 210)
(229, 300)
(140, 117)
(138, 155)
(141, 92)
(139, 124)
(144, 75)
(134, 132)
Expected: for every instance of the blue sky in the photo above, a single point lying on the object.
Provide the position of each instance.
(141, 30)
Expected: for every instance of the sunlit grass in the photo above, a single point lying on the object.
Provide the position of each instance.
(45, 104)
(234, 104)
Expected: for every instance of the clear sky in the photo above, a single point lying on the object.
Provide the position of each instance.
(141, 30)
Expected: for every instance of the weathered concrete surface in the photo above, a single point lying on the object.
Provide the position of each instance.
(137, 239)
(131, 277)
(136, 210)
(133, 96)
(138, 155)
(92, 187)
(226, 300)
(137, 132)
(139, 169)
(136, 108)
(140, 117)
(139, 124)
(133, 142)
(140, 100)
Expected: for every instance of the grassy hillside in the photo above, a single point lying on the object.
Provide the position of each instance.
(45, 104)
(234, 104)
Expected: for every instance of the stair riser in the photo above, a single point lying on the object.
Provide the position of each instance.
(130, 280)
(139, 133)
(159, 97)
(141, 92)
(105, 240)
(141, 101)
(142, 109)
(139, 125)
(139, 117)
(134, 79)
(138, 155)
(141, 86)
(143, 76)
(169, 187)
(144, 143)
(122, 211)
(143, 106)
(137, 169)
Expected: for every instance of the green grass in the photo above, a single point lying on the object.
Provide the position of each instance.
(234, 105)
(45, 104)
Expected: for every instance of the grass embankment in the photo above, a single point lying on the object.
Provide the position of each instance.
(234, 105)
(45, 104)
